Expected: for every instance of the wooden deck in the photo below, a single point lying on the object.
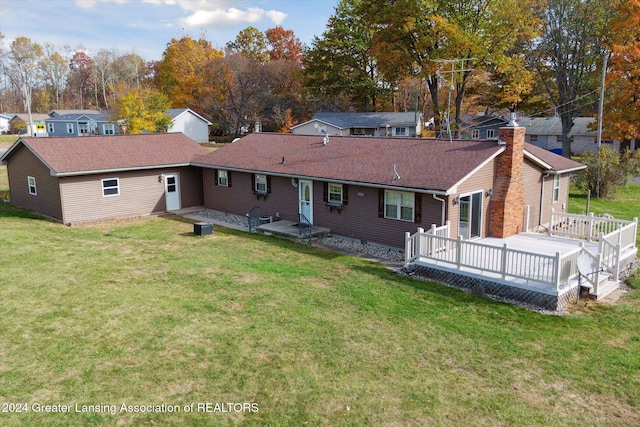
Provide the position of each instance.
(535, 264)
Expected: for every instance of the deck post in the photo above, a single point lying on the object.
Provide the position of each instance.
(556, 271)
(459, 251)
(597, 275)
(503, 266)
(418, 244)
(591, 219)
(616, 273)
(407, 249)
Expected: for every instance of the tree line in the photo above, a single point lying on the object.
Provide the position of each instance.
(445, 58)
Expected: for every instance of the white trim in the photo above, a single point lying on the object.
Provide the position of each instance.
(399, 205)
(117, 187)
(35, 188)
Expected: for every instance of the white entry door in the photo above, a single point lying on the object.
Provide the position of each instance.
(172, 191)
(305, 189)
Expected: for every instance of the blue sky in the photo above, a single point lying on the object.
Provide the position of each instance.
(146, 26)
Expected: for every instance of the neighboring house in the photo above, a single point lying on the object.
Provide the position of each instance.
(376, 189)
(546, 132)
(4, 122)
(189, 123)
(80, 124)
(482, 127)
(19, 124)
(57, 113)
(97, 178)
(362, 124)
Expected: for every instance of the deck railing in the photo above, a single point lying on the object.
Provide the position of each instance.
(589, 227)
(413, 245)
(614, 236)
(507, 264)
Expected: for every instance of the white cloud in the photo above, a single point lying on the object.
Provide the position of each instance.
(208, 13)
(91, 4)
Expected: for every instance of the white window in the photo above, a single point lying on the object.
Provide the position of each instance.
(401, 131)
(110, 187)
(399, 205)
(223, 178)
(556, 188)
(335, 193)
(49, 127)
(31, 182)
(475, 134)
(261, 184)
(83, 128)
(491, 133)
(69, 127)
(108, 129)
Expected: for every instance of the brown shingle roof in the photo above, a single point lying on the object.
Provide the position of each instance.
(558, 163)
(100, 153)
(422, 164)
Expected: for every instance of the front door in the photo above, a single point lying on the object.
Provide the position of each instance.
(305, 189)
(172, 191)
(470, 215)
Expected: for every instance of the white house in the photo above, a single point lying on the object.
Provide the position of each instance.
(189, 123)
(4, 122)
(362, 124)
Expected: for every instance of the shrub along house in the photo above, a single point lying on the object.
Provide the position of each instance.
(376, 189)
(96, 178)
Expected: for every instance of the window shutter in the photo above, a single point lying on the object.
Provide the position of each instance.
(325, 191)
(417, 208)
(228, 178)
(268, 183)
(381, 202)
(345, 194)
(253, 182)
(215, 176)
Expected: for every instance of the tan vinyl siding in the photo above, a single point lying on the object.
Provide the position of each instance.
(21, 164)
(141, 193)
(532, 177)
(482, 180)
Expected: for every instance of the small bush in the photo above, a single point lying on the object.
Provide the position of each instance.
(606, 171)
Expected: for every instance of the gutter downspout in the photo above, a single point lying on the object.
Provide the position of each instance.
(443, 201)
(545, 176)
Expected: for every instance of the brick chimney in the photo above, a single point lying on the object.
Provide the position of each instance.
(506, 208)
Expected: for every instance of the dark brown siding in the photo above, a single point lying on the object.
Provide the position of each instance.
(141, 193)
(358, 219)
(23, 163)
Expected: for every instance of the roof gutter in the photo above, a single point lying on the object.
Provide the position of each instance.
(102, 171)
(322, 179)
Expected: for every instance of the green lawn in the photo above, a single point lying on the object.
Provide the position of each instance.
(143, 312)
(7, 140)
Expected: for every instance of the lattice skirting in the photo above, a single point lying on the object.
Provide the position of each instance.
(501, 290)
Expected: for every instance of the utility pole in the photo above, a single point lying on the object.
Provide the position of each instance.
(452, 87)
(600, 112)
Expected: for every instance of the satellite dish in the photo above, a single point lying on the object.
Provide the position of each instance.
(585, 265)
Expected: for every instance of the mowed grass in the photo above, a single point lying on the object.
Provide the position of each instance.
(144, 312)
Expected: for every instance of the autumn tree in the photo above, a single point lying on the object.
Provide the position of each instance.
(23, 69)
(143, 110)
(622, 117)
(339, 63)
(55, 70)
(80, 78)
(184, 73)
(283, 45)
(569, 51)
(444, 41)
(252, 43)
